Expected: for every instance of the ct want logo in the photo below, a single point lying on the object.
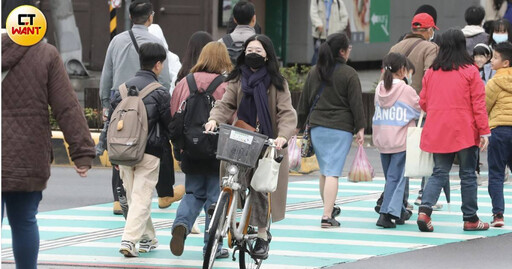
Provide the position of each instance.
(26, 25)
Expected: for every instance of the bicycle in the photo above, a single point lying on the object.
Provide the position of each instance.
(238, 147)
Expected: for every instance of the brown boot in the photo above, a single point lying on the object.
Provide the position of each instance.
(117, 208)
(165, 202)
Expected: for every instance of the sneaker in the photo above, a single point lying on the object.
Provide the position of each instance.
(406, 215)
(146, 245)
(128, 249)
(260, 250)
(425, 222)
(177, 244)
(497, 220)
(195, 229)
(330, 223)
(475, 226)
(165, 202)
(418, 201)
(222, 254)
(437, 207)
(335, 211)
(385, 221)
(409, 207)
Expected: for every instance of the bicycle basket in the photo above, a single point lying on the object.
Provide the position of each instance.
(239, 146)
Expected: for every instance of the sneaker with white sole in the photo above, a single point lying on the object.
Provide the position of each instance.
(128, 249)
(146, 245)
(497, 220)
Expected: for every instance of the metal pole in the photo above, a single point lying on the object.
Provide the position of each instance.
(113, 22)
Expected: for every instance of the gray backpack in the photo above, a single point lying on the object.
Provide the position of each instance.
(127, 134)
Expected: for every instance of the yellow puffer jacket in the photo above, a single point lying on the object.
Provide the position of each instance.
(498, 98)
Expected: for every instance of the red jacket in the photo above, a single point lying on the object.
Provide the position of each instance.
(455, 105)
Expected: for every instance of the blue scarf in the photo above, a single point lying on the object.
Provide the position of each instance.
(254, 104)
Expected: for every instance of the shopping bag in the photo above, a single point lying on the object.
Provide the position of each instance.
(361, 169)
(294, 155)
(266, 175)
(418, 163)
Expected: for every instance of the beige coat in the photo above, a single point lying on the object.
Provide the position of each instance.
(284, 120)
(338, 20)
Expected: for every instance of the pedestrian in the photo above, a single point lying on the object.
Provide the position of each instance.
(201, 172)
(121, 64)
(258, 95)
(453, 97)
(195, 44)
(396, 108)
(473, 31)
(501, 32)
(421, 52)
(482, 55)
(140, 179)
(327, 17)
(172, 59)
(338, 114)
(430, 10)
(244, 15)
(498, 99)
(35, 80)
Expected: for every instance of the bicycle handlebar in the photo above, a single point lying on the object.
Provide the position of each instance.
(269, 142)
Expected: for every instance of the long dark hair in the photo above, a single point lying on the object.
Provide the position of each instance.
(452, 52)
(271, 63)
(195, 44)
(392, 63)
(500, 25)
(328, 53)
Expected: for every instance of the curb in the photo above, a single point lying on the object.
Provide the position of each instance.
(62, 158)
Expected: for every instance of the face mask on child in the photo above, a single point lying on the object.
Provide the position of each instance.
(499, 38)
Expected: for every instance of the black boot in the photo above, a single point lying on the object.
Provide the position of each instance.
(385, 221)
(406, 215)
(260, 250)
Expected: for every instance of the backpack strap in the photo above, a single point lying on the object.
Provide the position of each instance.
(412, 47)
(148, 89)
(123, 91)
(191, 81)
(134, 41)
(214, 84)
(228, 40)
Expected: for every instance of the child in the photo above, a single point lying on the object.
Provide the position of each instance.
(500, 32)
(482, 55)
(396, 108)
(498, 99)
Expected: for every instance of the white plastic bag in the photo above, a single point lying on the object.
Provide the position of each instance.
(418, 163)
(361, 169)
(266, 174)
(294, 156)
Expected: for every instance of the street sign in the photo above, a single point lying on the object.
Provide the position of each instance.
(379, 21)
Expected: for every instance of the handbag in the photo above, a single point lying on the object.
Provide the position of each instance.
(306, 148)
(266, 175)
(418, 163)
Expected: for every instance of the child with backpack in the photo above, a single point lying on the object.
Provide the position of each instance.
(136, 137)
(498, 99)
(396, 108)
(191, 102)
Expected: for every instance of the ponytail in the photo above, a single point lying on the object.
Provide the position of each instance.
(328, 53)
(391, 64)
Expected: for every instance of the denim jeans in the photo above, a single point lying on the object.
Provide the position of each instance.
(499, 155)
(201, 191)
(393, 166)
(21, 212)
(442, 164)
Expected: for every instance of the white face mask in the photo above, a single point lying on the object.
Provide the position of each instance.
(409, 79)
(432, 38)
(499, 38)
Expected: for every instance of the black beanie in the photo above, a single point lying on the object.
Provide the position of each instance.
(430, 10)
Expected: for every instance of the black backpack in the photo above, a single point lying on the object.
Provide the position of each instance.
(234, 48)
(187, 125)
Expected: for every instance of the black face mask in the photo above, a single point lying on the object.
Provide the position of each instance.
(254, 60)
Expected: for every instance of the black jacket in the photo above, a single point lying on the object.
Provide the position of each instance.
(158, 111)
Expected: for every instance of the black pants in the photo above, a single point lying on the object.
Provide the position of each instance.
(166, 179)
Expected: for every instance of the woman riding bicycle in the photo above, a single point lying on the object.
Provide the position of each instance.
(259, 96)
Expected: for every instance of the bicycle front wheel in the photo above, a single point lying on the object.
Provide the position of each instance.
(245, 260)
(217, 224)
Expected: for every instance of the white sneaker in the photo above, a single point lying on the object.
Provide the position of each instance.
(437, 207)
(146, 245)
(128, 249)
(195, 229)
